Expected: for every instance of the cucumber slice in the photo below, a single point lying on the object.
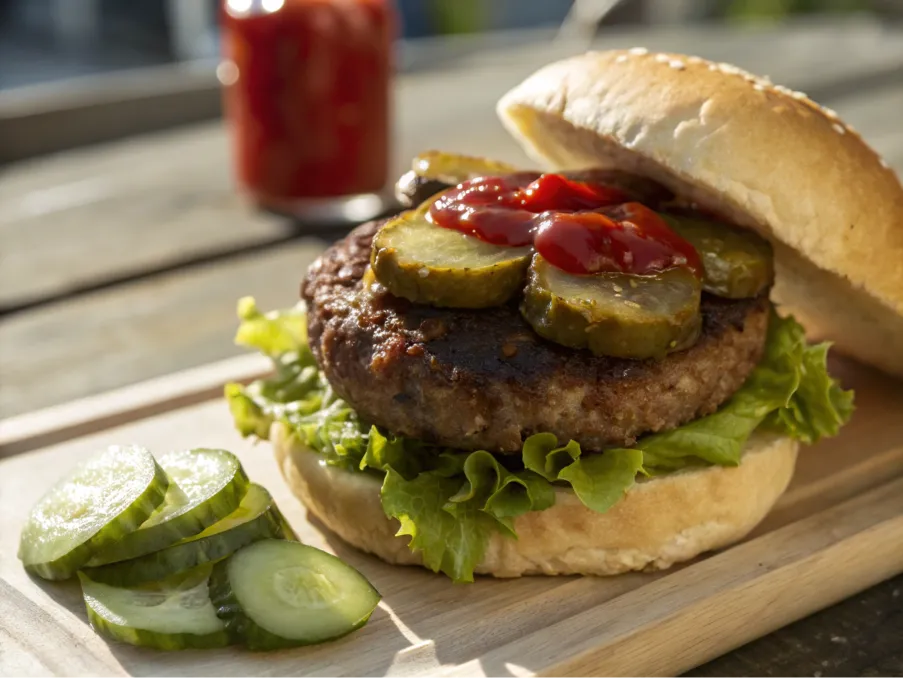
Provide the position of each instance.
(99, 502)
(174, 614)
(275, 594)
(615, 314)
(428, 264)
(208, 486)
(737, 264)
(257, 517)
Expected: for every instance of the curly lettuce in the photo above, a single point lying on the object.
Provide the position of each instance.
(450, 502)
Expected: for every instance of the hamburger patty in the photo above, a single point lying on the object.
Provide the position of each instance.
(483, 379)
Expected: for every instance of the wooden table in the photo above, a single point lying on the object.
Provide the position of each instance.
(122, 261)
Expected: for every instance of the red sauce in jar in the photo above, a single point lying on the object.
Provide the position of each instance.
(579, 227)
(307, 95)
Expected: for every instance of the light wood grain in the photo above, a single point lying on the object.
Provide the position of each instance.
(838, 530)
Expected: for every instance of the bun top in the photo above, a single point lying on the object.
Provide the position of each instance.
(764, 156)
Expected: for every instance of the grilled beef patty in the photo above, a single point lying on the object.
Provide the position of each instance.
(483, 379)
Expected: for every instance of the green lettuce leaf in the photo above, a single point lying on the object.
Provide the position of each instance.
(450, 542)
(819, 407)
(598, 480)
(450, 502)
(789, 390)
(274, 334)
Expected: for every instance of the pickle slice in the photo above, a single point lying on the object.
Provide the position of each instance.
(412, 190)
(428, 264)
(737, 264)
(174, 614)
(436, 171)
(614, 314)
(453, 168)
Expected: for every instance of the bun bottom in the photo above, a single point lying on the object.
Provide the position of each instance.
(659, 522)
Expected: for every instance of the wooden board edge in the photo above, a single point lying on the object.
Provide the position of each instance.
(726, 600)
(56, 424)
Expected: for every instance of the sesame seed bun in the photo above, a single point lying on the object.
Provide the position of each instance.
(765, 157)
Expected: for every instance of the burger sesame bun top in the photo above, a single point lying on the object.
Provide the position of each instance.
(765, 157)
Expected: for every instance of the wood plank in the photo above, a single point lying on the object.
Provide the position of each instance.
(137, 401)
(49, 118)
(145, 203)
(103, 213)
(139, 331)
(857, 637)
(837, 516)
(33, 644)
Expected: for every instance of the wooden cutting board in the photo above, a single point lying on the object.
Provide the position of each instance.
(838, 530)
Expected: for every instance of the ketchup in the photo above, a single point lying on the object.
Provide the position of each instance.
(579, 227)
(307, 91)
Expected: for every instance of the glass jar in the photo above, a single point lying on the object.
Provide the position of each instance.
(307, 88)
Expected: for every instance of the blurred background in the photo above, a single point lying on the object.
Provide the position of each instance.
(51, 40)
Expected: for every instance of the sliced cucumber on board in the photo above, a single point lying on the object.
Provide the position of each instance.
(103, 499)
(257, 517)
(207, 485)
(274, 594)
(174, 614)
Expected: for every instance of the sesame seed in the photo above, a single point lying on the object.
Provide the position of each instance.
(884, 163)
(639, 51)
(784, 90)
(800, 96)
(621, 59)
(838, 128)
(676, 63)
(694, 60)
(713, 67)
(759, 87)
(830, 112)
(662, 58)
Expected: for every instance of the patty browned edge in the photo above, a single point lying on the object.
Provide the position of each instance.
(483, 379)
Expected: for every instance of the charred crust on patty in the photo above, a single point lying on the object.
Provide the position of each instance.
(482, 379)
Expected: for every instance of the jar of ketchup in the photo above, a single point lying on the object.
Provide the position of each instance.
(307, 87)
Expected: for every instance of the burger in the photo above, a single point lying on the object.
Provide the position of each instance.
(596, 367)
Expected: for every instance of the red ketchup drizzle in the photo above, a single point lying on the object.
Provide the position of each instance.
(579, 227)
